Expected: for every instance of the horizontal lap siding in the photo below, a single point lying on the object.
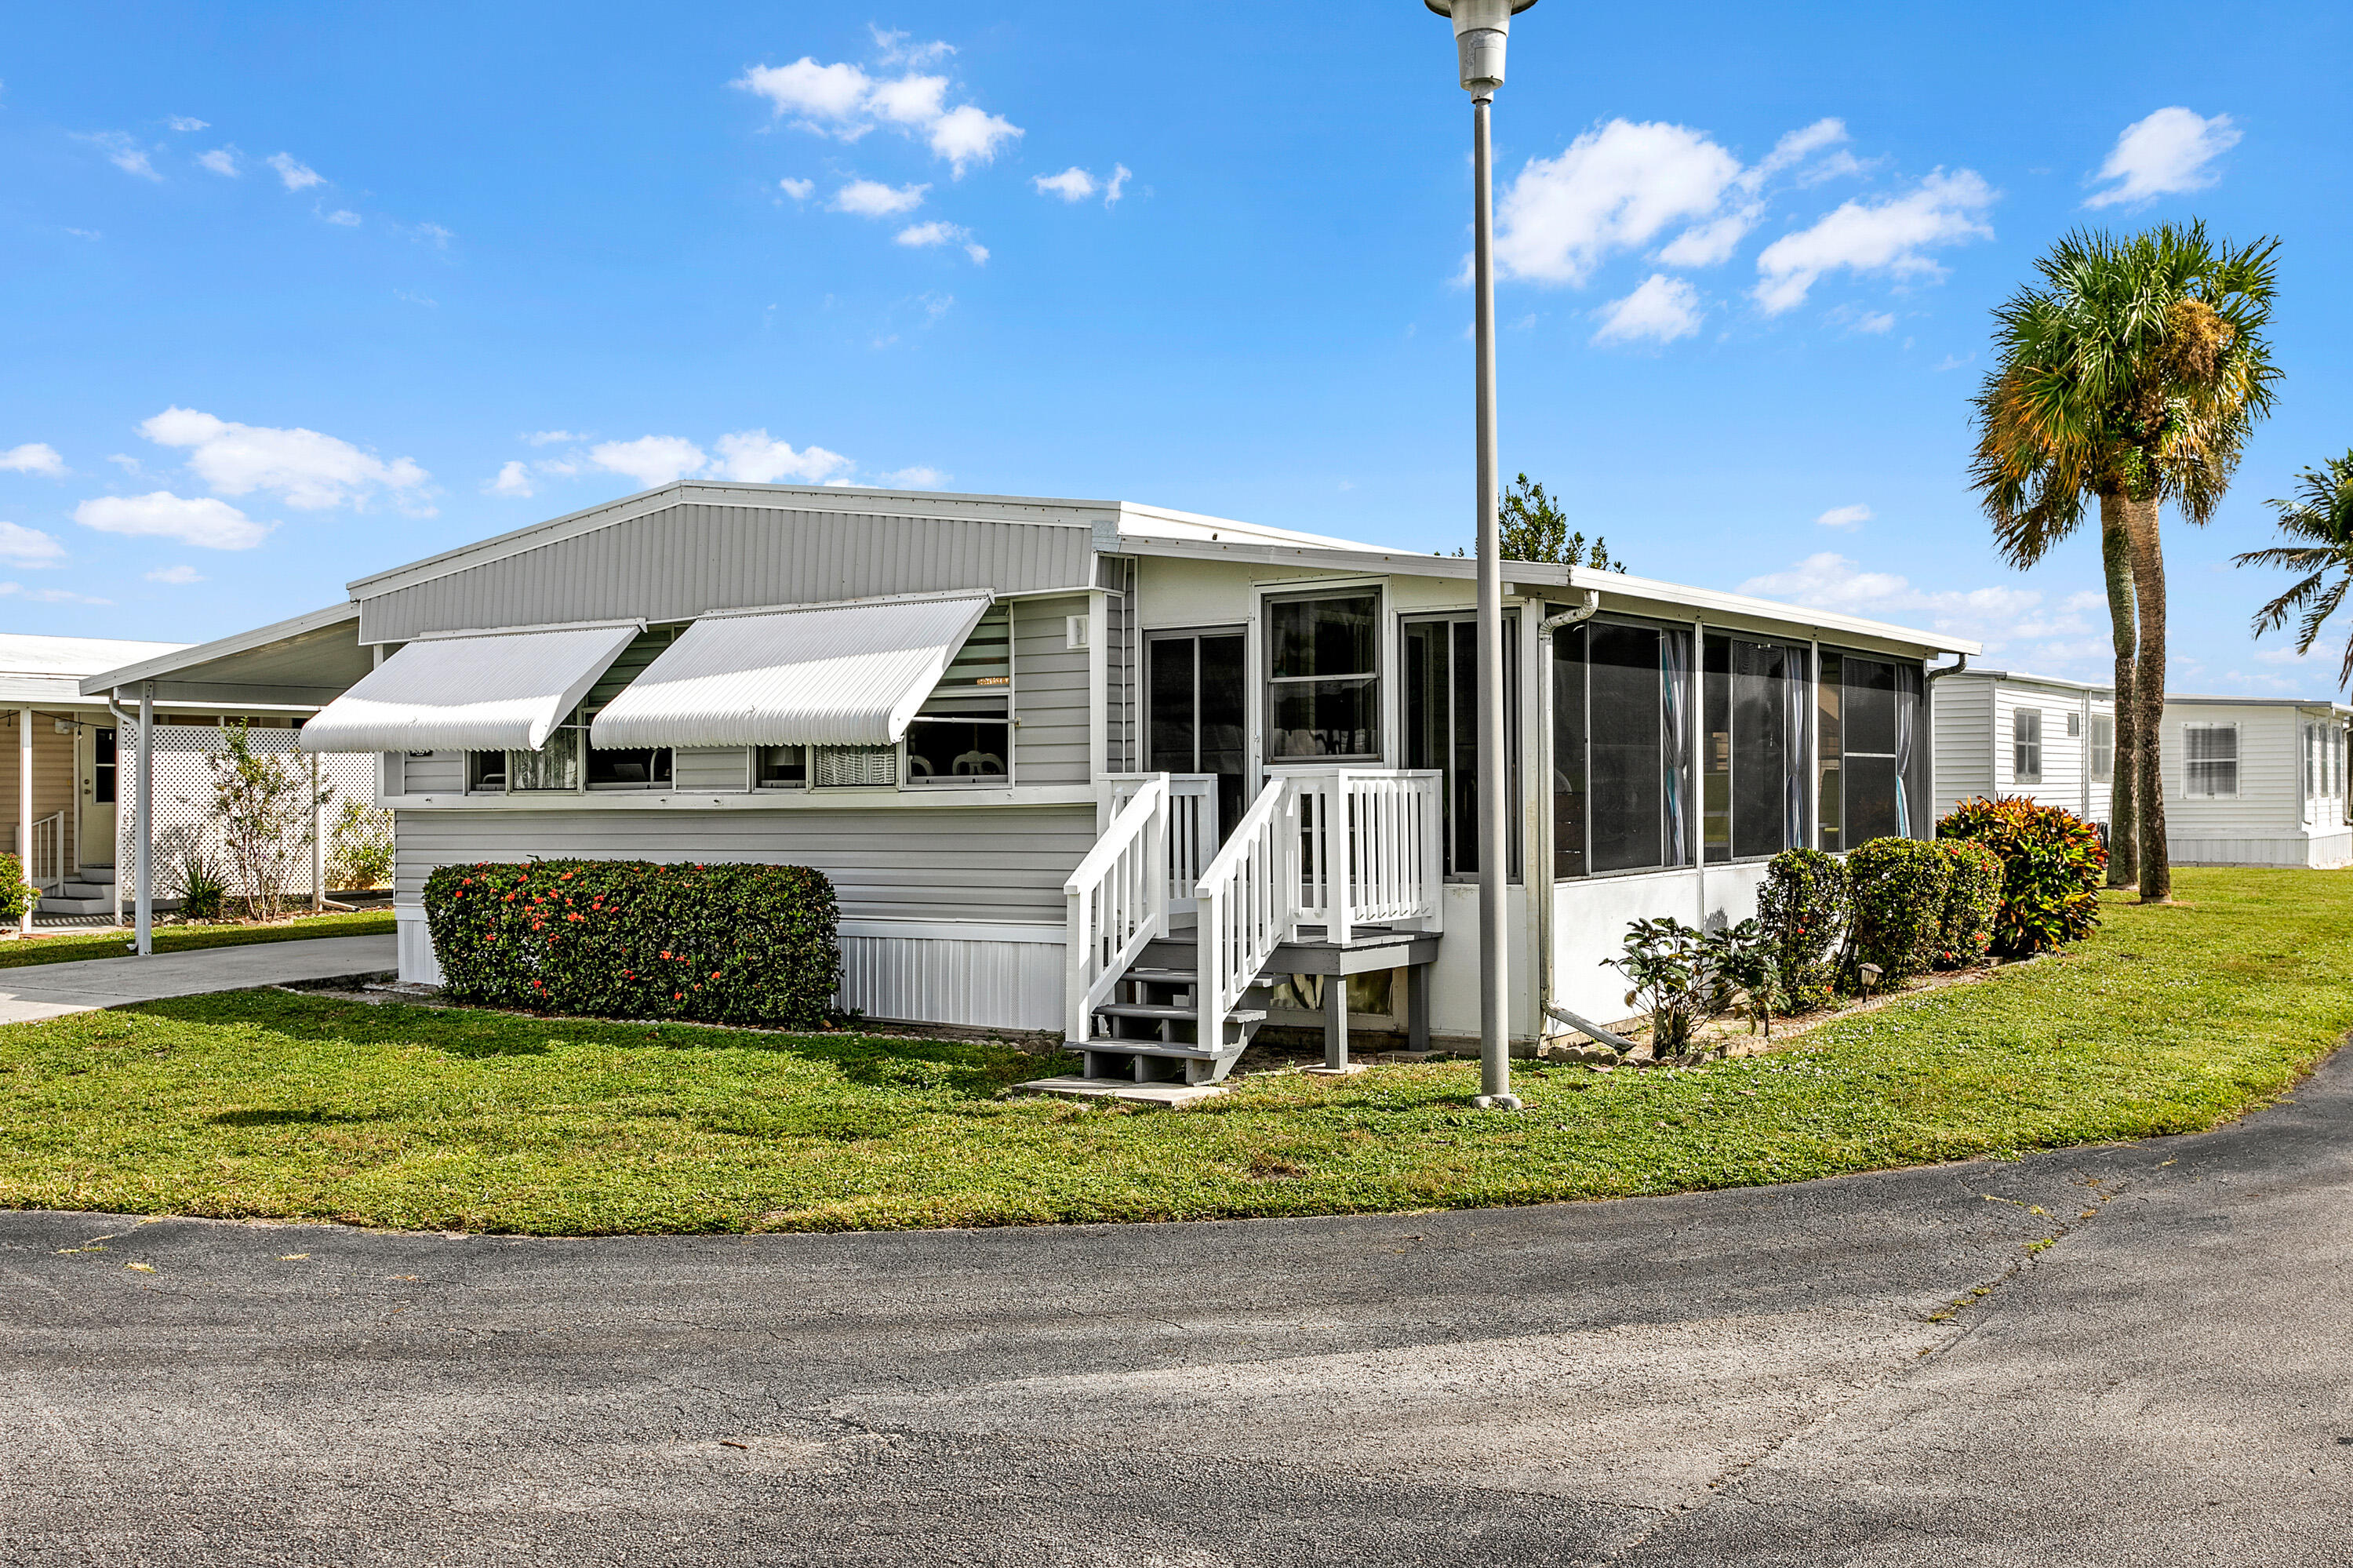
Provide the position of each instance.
(949, 865)
(1049, 693)
(2064, 756)
(1958, 713)
(721, 769)
(2270, 801)
(432, 773)
(691, 558)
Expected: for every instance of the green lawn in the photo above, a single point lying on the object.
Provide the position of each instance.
(71, 945)
(268, 1104)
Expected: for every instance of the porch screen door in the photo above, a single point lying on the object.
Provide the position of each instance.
(99, 770)
(1196, 695)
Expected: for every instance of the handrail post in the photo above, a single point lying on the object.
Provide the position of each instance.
(1339, 850)
(1076, 970)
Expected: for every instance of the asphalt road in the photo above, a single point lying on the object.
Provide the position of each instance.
(1774, 1376)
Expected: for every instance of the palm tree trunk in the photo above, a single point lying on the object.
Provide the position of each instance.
(2148, 699)
(2124, 770)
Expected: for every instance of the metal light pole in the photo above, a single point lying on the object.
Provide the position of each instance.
(1481, 27)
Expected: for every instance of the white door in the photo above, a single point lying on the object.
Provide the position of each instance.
(95, 763)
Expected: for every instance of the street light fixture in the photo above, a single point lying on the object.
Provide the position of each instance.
(1481, 29)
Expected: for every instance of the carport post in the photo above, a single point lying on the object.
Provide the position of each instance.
(24, 807)
(143, 782)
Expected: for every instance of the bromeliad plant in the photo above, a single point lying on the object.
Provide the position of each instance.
(717, 944)
(2052, 867)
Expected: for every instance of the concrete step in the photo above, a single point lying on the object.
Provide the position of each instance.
(85, 890)
(103, 876)
(52, 905)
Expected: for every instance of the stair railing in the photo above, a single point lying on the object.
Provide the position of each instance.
(1193, 834)
(45, 855)
(1370, 849)
(1117, 902)
(1246, 900)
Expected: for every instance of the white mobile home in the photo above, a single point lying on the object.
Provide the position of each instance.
(1138, 777)
(2001, 732)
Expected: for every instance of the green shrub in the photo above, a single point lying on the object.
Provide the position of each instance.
(1898, 888)
(1801, 912)
(1972, 902)
(717, 944)
(16, 894)
(1672, 969)
(2053, 863)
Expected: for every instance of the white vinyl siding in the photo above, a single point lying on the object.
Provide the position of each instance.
(1961, 710)
(2210, 762)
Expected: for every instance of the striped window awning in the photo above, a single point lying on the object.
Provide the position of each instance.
(473, 691)
(832, 674)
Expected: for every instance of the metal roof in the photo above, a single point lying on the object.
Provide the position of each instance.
(839, 675)
(35, 669)
(482, 691)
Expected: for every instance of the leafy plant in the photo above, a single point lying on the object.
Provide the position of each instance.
(1673, 970)
(1748, 972)
(16, 894)
(1972, 902)
(360, 847)
(265, 806)
(1899, 888)
(720, 943)
(1802, 907)
(2051, 863)
(2320, 515)
(203, 892)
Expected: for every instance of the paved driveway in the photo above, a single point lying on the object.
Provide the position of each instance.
(1753, 1377)
(47, 990)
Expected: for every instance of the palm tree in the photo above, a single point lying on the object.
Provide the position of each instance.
(2321, 512)
(2133, 374)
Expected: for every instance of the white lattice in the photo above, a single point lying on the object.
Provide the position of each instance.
(184, 809)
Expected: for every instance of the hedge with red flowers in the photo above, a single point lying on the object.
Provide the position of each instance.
(632, 939)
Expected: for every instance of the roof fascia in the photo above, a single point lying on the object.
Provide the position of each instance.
(203, 652)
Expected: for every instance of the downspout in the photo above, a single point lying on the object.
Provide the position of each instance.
(1928, 723)
(1542, 676)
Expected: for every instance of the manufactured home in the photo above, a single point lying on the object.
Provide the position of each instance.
(1138, 777)
(2248, 780)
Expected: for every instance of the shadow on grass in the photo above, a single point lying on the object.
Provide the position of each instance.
(289, 1118)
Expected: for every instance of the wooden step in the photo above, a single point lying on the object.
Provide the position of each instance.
(1158, 976)
(1174, 1012)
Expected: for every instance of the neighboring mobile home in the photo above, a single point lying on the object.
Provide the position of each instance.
(1016, 731)
(2248, 780)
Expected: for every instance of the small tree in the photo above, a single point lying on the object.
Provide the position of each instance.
(359, 847)
(1534, 528)
(265, 807)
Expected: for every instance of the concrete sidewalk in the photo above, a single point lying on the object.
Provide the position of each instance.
(51, 990)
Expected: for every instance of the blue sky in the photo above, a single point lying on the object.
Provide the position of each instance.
(302, 292)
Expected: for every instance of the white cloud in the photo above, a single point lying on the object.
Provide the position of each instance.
(843, 101)
(871, 198)
(2167, 154)
(514, 479)
(1663, 310)
(342, 217)
(2014, 623)
(1853, 517)
(651, 461)
(24, 546)
(799, 190)
(124, 151)
(751, 456)
(1874, 322)
(181, 574)
(980, 253)
(432, 234)
(48, 596)
(1891, 236)
(1711, 243)
(297, 176)
(85, 234)
(1073, 184)
(922, 235)
(1117, 186)
(1615, 189)
(551, 438)
(895, 49)
(181, 123)
(917, 478)
(303, 467)
(1795, 148)
(33, 457)
(220, 161)
(194, 520)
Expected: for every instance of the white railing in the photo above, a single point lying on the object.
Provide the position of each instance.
(1193, 835)
(1118, 902)
(1369, 850)
(44, 857)
(1248, 901)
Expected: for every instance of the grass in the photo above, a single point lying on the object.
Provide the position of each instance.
(67, 950)
(2172, 1019)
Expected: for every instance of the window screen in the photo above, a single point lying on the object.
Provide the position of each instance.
(2103, 748)
(1195, 693)
(837, 766)
(2026, 746)
(2211, 754)
(1621, 747)
(638, 767)
(1874, 777)
(1757, 698)
(1323, 678)
(963, 735)
(1442, 725)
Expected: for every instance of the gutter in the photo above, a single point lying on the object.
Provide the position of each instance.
(1546, 1009)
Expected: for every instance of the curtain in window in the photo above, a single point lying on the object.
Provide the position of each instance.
(1797, 715)
(1911, 793)
(1675, 670)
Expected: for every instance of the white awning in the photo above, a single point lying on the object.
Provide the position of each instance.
(833, 674)
(496, 691)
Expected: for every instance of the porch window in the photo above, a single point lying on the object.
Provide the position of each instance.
(1324, 678)
(1620, 747)
(781, 768)
(2026, 746)
(1197, 697)
(2103, 748)
(1874, 768)
(1753, 748)
(486, 772)
(963, 735)
(1442, 726)
(102, 755)
(553, 770)
(629, 768)
(2210, 760)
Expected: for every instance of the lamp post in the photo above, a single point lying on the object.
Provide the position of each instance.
(1481, 27)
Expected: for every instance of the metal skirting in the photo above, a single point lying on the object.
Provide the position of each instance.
(2321, 850)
